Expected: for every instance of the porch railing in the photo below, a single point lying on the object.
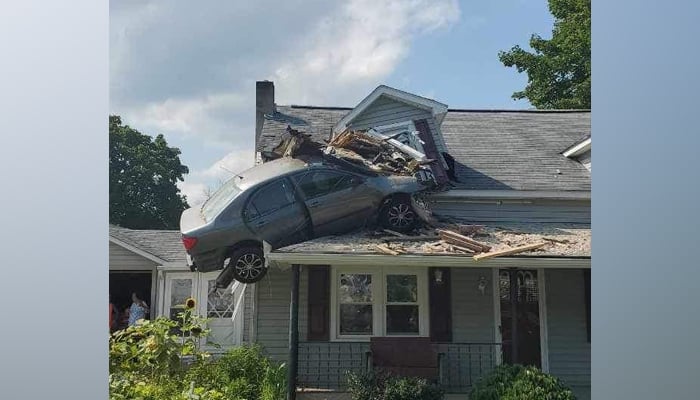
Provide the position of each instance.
(325, 365)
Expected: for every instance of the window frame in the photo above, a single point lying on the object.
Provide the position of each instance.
(379, 301)
(296, 178)
(250, 201)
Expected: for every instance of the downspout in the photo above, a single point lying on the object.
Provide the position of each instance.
(514, 316)
(293, 335)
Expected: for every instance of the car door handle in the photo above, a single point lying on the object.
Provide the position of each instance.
(314, 204)
(260, 223)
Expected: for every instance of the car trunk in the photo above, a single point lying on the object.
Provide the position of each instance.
(190, 220)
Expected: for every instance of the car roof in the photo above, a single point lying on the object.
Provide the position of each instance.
(269, 170)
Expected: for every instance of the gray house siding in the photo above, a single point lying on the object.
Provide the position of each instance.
(569, 350)
(472, 312)
(121, 259)
(272, 313)
(569, 211)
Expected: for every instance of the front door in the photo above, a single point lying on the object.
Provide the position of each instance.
(523, 347)
(219, 305)
(337, 202)
(275, 214)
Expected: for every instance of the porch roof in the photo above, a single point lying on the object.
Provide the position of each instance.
(164, 245)
(563, 241)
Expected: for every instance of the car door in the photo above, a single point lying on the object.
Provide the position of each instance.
(276, 215)
(336, 201)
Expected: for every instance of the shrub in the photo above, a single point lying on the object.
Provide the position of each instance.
(379, 386)
(516, 382)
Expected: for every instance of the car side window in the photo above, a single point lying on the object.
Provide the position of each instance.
(320, 183)
(270, 198)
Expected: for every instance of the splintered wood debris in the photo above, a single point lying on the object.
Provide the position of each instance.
(483, 243)
(365, 149)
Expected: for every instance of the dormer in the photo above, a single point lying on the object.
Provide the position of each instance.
(391, 112)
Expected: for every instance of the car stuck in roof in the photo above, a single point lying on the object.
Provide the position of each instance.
(287, 201)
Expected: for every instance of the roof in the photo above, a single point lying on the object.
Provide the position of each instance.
(563, 240)
(165, 245)
(493, 149)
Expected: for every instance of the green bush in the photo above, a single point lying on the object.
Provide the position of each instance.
(146, 362)
(379, 386)
(516, 382)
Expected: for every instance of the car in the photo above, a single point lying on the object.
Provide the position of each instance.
(287, 201)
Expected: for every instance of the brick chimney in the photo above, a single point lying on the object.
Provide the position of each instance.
(264, 104)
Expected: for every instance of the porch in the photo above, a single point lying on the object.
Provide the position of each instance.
(325, 365)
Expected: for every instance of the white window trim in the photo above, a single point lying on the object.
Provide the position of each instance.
(379, 301)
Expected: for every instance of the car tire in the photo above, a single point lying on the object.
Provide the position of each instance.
(247, 265)
(399, 215)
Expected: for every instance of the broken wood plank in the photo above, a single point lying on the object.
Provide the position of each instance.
(394, 233)
(384, 249)
(464, 249)
(458, 242)
(510, 251)
(464, 239)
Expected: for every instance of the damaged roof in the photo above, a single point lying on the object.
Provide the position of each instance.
(560, 240)
(163, 244)
(493, 149)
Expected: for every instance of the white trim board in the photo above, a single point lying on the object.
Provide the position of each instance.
(438, 110)
(413, 260)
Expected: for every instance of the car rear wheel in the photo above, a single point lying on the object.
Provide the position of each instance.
(399, 215)
(246, 265)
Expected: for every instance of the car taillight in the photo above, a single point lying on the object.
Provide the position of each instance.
(189, 242)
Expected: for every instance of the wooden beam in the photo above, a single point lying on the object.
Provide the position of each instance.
(465, 241)
(508, 252)
(384, 249)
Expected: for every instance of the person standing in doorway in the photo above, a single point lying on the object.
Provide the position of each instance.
(138, 309)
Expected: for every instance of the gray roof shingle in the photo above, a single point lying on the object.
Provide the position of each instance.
(493, 149)
(166, 245)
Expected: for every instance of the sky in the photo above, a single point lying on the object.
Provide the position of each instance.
(187, 69)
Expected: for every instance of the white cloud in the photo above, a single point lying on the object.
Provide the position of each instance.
(180, 68)
(352, 50)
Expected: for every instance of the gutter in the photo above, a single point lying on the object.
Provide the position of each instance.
(283, 260)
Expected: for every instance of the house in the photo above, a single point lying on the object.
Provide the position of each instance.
(525, 174)
(152, 263)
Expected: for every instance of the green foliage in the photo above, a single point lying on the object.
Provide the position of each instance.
(516, 382)
(559, 69)
(143, 173)
(274, 386)
(378, 386)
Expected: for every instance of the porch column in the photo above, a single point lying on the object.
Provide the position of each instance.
(513, 273)
(293, 336)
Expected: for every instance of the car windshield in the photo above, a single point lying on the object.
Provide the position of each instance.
(220, 199)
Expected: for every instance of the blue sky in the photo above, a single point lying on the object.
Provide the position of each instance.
(188, 69)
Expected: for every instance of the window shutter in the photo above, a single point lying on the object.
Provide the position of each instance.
(440, 306)
(319, 303)
(431, 150)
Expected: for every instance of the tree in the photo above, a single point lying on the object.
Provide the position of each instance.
(143, 176)
(559, 70)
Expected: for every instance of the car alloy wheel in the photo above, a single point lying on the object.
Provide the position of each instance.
(401, 216)
(249, 267)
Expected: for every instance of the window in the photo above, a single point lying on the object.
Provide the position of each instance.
(269, 199)
(320, 183)
(220, 199)
(381, 301)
